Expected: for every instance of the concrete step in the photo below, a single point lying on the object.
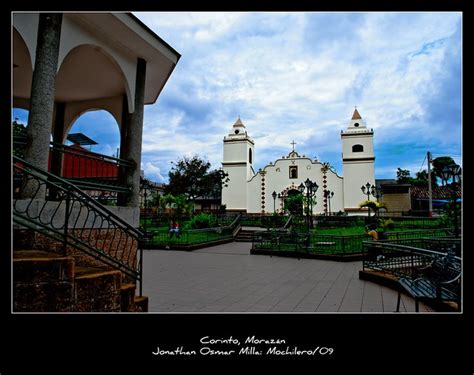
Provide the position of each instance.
(41, 266)
(244, 235)
(97, 290)
(140, 304)
(45, 281)
(127, 294)
(42, 281)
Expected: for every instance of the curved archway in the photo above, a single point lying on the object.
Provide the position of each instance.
(101, 126)
(22, 71)
(293, 201)
(87, 73)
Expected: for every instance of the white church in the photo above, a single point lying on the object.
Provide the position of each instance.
(252, 192)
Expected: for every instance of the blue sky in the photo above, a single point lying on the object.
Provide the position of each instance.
(298, 76)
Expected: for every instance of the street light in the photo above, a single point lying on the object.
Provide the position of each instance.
(328, 195)
(311, 189)
(453, 171)
(145, 187)
(274, 195)
(369, 190)
(378, 193)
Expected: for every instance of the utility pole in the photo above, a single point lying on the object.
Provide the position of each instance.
(430, 193)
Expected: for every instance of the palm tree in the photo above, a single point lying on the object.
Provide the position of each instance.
(374, 206)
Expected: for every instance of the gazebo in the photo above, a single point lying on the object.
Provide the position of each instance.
(67, 64)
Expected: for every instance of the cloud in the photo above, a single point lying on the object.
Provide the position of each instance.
(297, 76)
(152, 172)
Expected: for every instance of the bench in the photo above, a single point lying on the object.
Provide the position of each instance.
(439, 281)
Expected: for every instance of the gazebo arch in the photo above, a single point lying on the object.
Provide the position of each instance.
(73, 116)
(22, 71)
(70, 127)
(93, 73)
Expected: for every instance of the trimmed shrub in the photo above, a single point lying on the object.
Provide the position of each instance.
(201, 221)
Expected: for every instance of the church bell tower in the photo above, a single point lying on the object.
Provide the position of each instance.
(238, 163)
(358, 161)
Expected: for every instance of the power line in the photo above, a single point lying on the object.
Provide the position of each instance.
(422, 163)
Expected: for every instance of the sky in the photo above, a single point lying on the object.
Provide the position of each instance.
(297, 77)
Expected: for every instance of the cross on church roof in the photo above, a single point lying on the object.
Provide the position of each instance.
(293, 143)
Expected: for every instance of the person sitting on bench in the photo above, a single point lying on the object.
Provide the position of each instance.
(174, 229)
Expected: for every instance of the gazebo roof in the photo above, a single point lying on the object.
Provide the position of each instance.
(97, 58)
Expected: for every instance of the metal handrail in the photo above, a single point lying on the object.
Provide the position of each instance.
(287, 224)
(236, 220)
(399, 260)
(72, 217)
(236, 225)
(83, 162)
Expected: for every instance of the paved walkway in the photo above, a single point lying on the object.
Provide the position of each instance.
(226, 278)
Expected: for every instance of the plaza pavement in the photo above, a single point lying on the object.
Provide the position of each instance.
(226, 278)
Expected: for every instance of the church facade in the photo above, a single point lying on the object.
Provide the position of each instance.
(252, 192)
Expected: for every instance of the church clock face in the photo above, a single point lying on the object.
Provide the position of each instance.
(236, 131)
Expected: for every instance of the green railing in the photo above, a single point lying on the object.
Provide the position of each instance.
(398, 260)
(190, 237)
(360, 221)
(439, 244)
(330, 244)
(163, 238)
(281, 241)
(266, 221)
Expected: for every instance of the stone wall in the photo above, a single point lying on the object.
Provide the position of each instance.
(111, 242)
(43, 284)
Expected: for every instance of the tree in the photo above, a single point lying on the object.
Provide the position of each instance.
(294, 204)
(374, 206)
(192, 177)
(422, 179)
(179, 205)
(403, 176)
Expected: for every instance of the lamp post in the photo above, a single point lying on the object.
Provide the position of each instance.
(274, 195)
(378, 193)
(328, 195)
(145, 195)
(453, 171)
(369, 190)
(311, 189)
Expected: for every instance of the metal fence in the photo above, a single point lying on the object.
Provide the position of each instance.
(398, 260)
(359, 221)
(331, 244)
(281, 241)
(161, 238)
(440, 244)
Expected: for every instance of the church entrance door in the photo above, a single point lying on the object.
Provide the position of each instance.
(294, 202)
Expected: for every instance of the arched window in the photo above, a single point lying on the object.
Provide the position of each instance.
(357, 148)
(294, 172)
(250, 155)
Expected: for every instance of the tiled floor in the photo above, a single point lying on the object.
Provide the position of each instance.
(226, 278)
